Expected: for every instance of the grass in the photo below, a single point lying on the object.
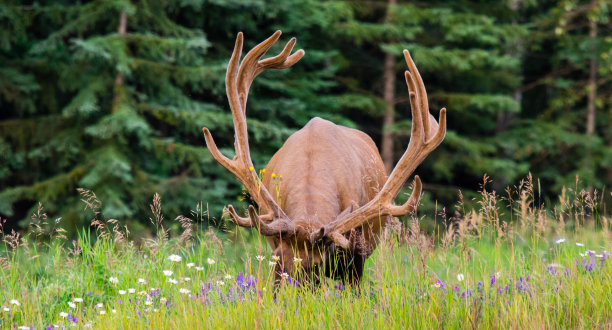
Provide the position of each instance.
(545, 268)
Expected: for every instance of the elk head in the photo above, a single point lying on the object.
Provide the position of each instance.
(336, 196)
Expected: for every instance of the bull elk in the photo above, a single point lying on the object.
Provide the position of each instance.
(335, 197)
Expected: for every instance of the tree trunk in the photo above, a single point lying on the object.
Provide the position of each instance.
(389, 98)
(118, 86)
(504, 118)
(592, 83)
(592, 95)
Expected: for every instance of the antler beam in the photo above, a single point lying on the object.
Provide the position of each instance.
(426, 135)
(238, 81)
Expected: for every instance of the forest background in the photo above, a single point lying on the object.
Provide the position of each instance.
(111, 96)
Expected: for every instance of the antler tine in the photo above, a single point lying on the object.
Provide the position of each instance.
(426, 135)
(419, 89)
(251, 66)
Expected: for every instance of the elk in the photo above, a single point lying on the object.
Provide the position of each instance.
(335, 198)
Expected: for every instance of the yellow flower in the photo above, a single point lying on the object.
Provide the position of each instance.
(263, 170)
(250, 168)
(273, 175)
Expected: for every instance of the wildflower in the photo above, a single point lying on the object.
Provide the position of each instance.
(168, 272)
(250, 168)
(297, 260)
(599, 255)
(122, 292)
(220, 283)
(64, 314)
(560, 240)
(260, 258)
(71, 304)
(175, 258)
(173, 281)
(275, 258)
(273, 175)
(163, 300)
(77, 299)
(148, 302)
(184, 291)
(131, 290)
(113, 280)
(582, 254)
(460, 277)
(199, 269)
(227, 277)
(271, 263)
(142, 281)
(113, 311)
(579, 244)
(186, 279)
(210, 261)
(191, 264)
(102, 312)
(15, 302)
(493, 279)
(100, 305)
(437, 285)
(6, 309)
(284, 276)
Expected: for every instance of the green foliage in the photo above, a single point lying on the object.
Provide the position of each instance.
(121, 114)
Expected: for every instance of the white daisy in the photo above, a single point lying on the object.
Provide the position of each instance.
(460, 277)
(210, 261)
(113, 280)
(175, 258)
(168, 272)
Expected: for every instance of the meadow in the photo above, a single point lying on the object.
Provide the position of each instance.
(508, 262)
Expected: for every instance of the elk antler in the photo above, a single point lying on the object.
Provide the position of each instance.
(426, 134)
(237, 84)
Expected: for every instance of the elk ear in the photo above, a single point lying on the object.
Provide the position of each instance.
(317, 235)
(353, 206)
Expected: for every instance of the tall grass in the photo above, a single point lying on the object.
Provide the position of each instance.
(509, 262)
